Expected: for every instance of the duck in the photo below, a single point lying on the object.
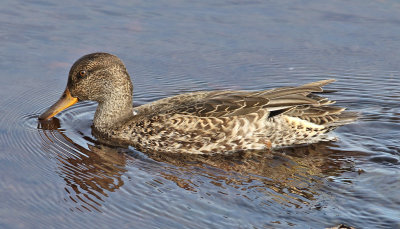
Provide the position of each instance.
(202, 122)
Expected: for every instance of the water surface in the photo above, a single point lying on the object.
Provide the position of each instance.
(57, 175)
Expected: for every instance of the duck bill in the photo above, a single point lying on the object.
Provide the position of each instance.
(64, 102)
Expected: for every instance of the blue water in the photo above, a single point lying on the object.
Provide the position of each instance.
(59, 176)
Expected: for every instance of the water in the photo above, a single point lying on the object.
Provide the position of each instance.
(58, 176)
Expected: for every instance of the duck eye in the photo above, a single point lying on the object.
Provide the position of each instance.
(82, 73)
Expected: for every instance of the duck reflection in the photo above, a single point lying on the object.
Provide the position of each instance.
(90, 174)
(288, 176)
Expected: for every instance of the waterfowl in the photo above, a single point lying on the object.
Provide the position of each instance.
(207, 122)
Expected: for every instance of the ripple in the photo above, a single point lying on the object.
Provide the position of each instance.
(47, 150)
(385, 160)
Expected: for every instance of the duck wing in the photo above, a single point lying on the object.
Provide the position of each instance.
(235, 103)
(300, 102)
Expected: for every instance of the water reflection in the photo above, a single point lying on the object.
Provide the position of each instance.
(291, 176)
(89, 174)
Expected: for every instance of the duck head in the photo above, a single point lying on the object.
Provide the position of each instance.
(99, 77)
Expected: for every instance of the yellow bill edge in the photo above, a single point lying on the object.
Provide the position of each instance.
(63, 103)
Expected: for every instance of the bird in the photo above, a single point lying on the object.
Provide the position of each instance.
(202, 122)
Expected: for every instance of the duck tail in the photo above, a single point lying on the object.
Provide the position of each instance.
(344, 118)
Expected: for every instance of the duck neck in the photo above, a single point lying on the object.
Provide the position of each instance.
(112, 112)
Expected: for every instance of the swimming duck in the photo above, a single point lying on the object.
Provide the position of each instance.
(207, 122)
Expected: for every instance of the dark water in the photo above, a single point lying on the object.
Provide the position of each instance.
(57, 176)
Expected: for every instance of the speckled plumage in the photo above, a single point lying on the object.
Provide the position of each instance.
(212, 122)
